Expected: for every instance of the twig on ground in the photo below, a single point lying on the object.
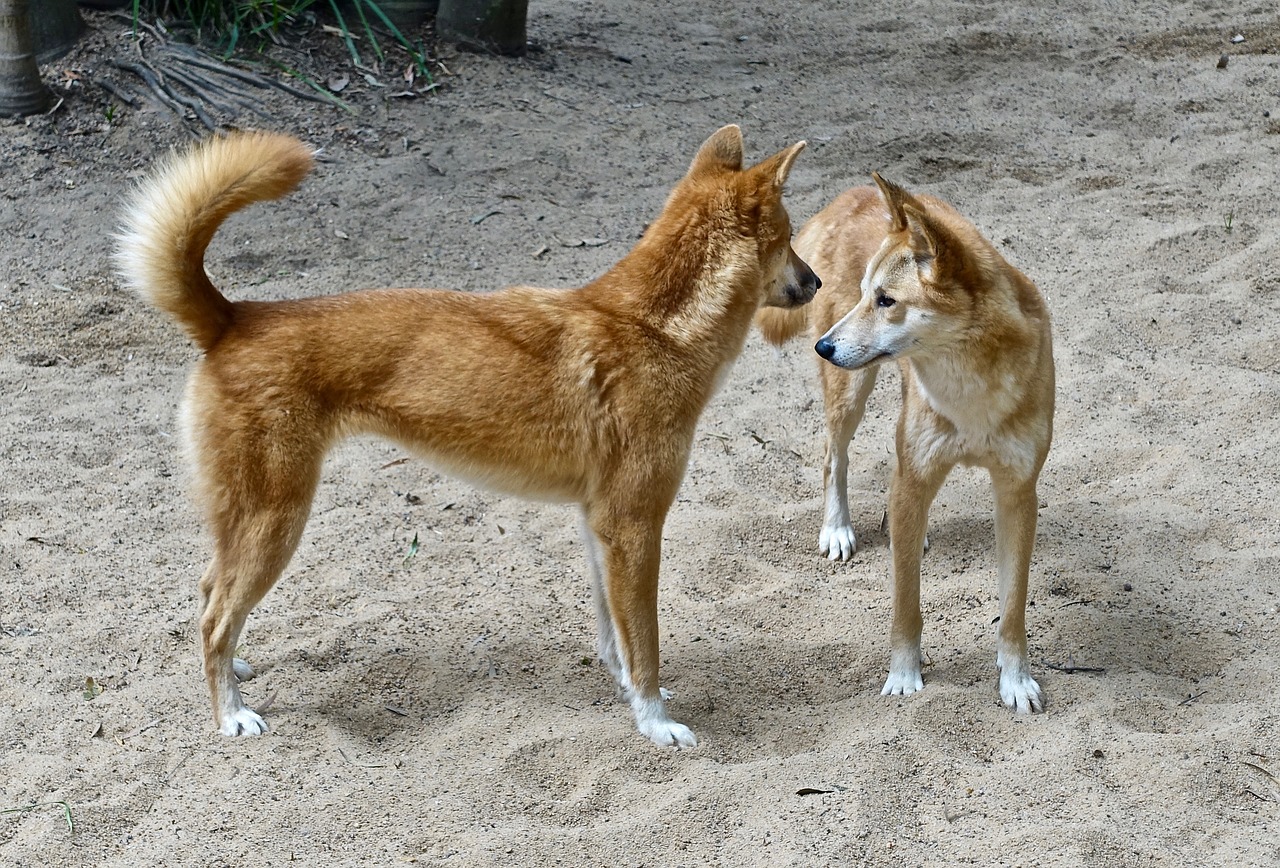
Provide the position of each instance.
(343, 753)
(1266, 777)
(119, 93)
(267, 703)
(1070, 667)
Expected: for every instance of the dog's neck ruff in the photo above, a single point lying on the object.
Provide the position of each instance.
(974, 400)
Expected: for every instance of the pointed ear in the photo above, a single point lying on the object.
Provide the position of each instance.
(926, 241)
(778, 167)
(895, 198)
(907, 214)
(721, 152)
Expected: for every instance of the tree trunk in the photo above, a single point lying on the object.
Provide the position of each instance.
(407, 13)
(55, 27)
(21, 91)
(404, 14)
(484, 25)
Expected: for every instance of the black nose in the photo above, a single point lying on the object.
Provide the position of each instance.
(825, 348)
(817, 283)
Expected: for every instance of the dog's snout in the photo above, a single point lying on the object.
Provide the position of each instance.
(825, 348)
(808, 280)
(804, 284)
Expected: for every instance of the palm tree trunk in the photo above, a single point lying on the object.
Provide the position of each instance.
(21, 91)
(55, 27)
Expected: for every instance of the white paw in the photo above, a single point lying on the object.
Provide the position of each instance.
(902, 684)
(665, 693)
(655, 725)
(243, 721)
(668, 733)
(837, 543)
(1019, 690)
(904, 675)
(242, 670)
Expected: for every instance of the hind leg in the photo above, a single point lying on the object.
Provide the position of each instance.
(624, 539)
(844, 397)
(252, 552)
(257, 481)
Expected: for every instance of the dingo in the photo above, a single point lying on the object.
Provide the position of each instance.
(588, 395)
(907, 279)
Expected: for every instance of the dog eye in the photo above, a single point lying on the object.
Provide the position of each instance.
(884, 301)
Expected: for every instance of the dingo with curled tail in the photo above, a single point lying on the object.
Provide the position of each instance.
(588, 395)
(906, 279)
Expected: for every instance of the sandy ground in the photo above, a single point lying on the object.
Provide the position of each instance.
(445, 708)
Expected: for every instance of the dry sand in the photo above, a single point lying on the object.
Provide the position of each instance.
(444, 709)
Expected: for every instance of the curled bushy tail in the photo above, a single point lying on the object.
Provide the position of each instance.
(779, 325)
(174, 213)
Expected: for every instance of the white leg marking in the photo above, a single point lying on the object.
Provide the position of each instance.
(245, 721)
(234, 716)
(904, 674)
(1018, 690)
(653, 723)
(837, 540)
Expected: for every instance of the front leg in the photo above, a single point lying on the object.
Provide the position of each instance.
(844, 398)
(910, 496)
(1016, 514)
(628, 544)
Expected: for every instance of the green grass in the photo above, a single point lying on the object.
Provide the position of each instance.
(234, 25)
(66, 810)
(228, 22)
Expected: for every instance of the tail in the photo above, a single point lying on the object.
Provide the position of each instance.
(173, 215)
(780, 324)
